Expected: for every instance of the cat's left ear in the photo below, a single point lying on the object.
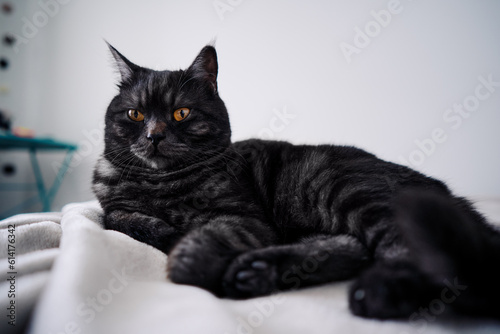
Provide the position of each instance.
(205, 66)
(124, 66)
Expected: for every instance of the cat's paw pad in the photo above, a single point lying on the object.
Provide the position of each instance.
(249, 276)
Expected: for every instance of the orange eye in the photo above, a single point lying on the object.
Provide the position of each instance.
(181, 113)
(135, 115)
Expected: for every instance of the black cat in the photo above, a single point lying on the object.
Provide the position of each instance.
(249, 218)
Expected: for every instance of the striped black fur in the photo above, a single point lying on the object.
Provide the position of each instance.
(249, 218)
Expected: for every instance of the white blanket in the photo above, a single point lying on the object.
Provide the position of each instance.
(72, 276)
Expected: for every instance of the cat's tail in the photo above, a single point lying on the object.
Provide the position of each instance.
(455, 246)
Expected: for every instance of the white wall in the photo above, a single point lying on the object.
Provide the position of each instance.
(282, 55)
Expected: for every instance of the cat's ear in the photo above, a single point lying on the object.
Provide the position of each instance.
(124, 66)
(205, 66)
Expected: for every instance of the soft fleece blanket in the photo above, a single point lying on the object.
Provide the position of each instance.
(69, 275)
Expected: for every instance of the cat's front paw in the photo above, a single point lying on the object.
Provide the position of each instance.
(386, 291)
(183, 265)
(196, 260)
(250, 275)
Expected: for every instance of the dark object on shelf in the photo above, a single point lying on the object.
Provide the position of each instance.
(7, 8)
(4, 121)
(8, 169)
(4, 63)
(9, 39)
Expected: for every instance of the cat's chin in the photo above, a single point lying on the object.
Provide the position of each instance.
(155, 162)
(158, 160)
(158, 164)
(161, 159)
(151, 157)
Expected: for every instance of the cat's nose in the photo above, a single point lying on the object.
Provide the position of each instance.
(155, 138)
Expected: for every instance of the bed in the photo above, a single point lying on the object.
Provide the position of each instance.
(67, 274)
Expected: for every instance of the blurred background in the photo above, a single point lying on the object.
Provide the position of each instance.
(415, 82)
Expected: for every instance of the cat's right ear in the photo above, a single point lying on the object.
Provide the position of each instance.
(205, 66)
(124, 66)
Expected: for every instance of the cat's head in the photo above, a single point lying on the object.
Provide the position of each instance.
(166, 119)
